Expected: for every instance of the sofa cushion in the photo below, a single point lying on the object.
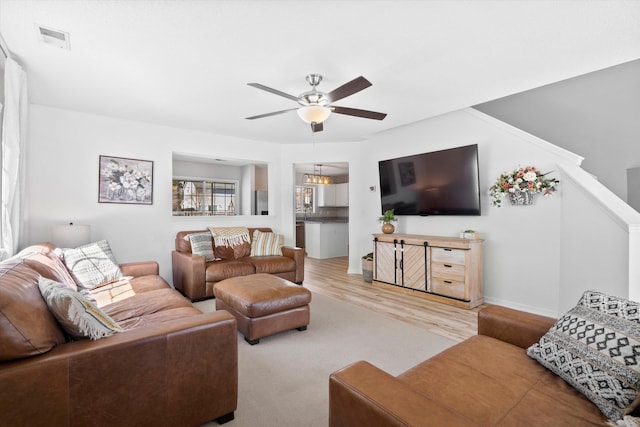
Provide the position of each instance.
(231, 242)
(595, 348)
(223, 269)
(490, 381)
(92, 265)
(266, 243)
(127, 312)
(79, 317)
(27, 328)
(202, 244)
(125, 288)
(272, 264)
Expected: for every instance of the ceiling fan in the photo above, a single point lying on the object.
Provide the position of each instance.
(316, 107)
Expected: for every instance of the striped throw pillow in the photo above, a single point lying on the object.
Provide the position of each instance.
(79, 317)
(266, 243)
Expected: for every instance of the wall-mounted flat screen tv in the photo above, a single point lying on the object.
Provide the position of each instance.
(444, 182)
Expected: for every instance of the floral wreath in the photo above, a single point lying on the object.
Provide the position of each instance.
(527, 179)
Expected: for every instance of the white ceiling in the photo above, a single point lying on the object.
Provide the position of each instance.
(187, 63)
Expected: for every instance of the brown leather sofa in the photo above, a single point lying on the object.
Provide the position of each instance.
(195, 277)
(487, 380)
(171, 366)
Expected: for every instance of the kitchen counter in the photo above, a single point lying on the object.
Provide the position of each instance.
(324, 220)
(326, 239)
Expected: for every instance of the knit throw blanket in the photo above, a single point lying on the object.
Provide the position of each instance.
(230, 236)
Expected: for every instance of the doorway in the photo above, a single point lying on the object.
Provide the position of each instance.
(322, 208)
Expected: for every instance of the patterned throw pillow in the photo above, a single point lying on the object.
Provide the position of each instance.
(595, 347)
(201, 244)
(266, 243)
(231, 242)
(77, 315)
(92, 265)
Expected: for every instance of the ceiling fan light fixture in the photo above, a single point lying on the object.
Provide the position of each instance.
(314, 113)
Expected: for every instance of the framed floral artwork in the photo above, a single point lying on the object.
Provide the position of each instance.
(124, 180)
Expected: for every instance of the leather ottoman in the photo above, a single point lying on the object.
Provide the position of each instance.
(263, 304)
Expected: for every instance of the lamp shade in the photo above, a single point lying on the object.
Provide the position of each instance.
(314, 113)
(70, 235)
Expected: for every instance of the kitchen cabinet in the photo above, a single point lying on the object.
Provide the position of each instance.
(333, 195)
(326, 239)
(342, 194)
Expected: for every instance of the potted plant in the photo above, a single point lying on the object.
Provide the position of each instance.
(386, 219)
(469, 234)
(367, 267)
(520, 185)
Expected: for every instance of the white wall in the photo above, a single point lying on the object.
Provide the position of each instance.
(532, 256)
(600, 240)
(62, 181)
(521, 248)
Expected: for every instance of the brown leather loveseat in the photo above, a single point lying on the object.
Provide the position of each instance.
(487, 380)
(195, 277)
(172, 365)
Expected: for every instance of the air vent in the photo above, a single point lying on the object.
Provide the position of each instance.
(53, 37)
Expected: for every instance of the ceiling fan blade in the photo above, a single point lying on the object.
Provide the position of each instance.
(359, 113)
(275, 113)
(316, 127)
(349, 88)
(274, 91)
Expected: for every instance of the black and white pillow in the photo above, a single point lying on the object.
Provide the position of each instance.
(201, 244)
(595, 347)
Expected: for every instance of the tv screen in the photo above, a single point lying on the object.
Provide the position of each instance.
(442, 182)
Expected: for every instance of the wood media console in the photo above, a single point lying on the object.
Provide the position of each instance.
(445, 269)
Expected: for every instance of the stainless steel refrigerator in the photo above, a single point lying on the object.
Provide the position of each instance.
(261, 202)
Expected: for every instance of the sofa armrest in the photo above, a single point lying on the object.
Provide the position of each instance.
(143, 268)
(364, 395)
(182, 372)
(513, 326)
(297, 254)
(189, 274)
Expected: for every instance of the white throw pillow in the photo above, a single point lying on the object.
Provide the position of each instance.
(92, 265)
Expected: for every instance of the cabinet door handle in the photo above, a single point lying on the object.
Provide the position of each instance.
(448, 249)
(401, 264)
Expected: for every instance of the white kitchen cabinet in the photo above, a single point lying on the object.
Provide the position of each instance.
(333, 195)
(342, 194)
(326, 195)
(326, 239)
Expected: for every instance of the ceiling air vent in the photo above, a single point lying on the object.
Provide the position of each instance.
(53, 37)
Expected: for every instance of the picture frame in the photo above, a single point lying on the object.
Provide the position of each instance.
(125, 180)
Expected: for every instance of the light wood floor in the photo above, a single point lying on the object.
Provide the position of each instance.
(329, 277)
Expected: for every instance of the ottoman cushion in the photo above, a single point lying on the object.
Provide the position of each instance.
(262, 294)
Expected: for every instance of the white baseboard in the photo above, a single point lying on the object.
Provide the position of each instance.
(522, 307)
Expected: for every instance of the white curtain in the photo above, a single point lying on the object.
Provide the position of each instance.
(14, 129)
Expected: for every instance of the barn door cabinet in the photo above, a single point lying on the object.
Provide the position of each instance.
(445, 269)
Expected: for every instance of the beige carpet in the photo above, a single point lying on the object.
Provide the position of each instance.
(284, 380)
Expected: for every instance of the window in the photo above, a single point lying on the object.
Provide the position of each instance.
(304, 199)
(195, 197)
